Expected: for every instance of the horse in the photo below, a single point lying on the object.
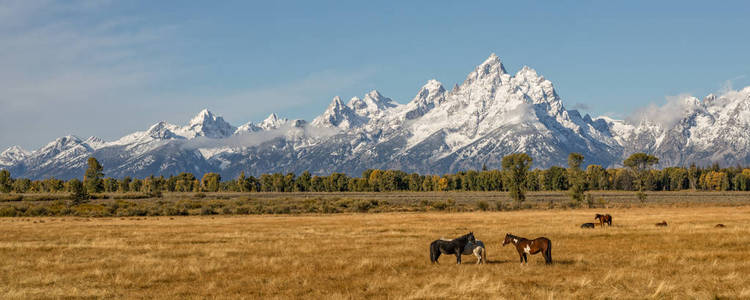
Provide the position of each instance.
(525, 246)
(604, 219)
(661, 224)
(476, 248)
(587, 225)
(455, 246)
(720, 225)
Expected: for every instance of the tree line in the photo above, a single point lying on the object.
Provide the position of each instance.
(514, 177)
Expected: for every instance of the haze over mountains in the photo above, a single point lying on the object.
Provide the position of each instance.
(491, 114)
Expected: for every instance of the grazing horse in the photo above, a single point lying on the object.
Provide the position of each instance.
(587, 225)
(455, 246)
(604, 219)
(525, 246)
(662, 224)
(476, 248)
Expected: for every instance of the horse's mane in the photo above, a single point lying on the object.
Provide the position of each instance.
(465, 236)
(515, 237)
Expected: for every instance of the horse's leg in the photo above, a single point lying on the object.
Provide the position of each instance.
(458, 258)
(525, 259)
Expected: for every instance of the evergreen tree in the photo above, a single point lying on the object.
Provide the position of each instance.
(77, 190)
(241, 182)
(6, 182)
(515, 167)
(576, 177)
(92, 179)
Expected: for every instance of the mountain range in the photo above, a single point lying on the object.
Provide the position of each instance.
(491, 114)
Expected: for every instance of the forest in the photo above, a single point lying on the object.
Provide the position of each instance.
(556, 178)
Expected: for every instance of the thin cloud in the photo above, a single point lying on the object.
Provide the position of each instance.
(668, 114)
(581, 106)
(252, 139)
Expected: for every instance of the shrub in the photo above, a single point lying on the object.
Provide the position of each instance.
(439, 205)
(242, 210)
(199, 195)
(207, 210)
(8, 211)
(36, 211)
(483, 205)
(365, 205)
(11, 198)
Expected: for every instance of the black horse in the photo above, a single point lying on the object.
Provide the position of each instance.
(454, 246)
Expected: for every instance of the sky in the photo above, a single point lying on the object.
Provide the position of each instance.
(109, 68)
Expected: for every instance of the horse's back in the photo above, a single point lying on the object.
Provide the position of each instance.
(469, 248)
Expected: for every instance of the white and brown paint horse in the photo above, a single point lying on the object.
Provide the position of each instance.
(525, 246)
(477, 248)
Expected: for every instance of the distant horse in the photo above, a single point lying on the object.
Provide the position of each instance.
(662, 224)
(587, 225)
(720, 226)
(455, 246)
(525, 246)
(604, 219)
(476, 248)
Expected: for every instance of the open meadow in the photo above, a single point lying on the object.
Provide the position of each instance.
(379, 255)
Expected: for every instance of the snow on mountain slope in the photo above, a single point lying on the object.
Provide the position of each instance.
(492, 113)
(13, 155)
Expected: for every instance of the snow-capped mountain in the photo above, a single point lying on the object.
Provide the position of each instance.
(491, 114)
(13, 155)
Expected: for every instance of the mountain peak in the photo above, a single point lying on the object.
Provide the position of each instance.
(12, 155)
(202, 116)
(272, 122)
(337, 115)
(271, 118)
(493, 62)
(205, 123)
(491, 69)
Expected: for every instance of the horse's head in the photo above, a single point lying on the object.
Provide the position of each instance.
(508, 239)
(598, 216)
(471, 238)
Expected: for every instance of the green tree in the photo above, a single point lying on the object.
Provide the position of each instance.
(21, 185)
(210, 182)
(77, 191)
(92, 179)
(515, 167)
(576, 177)
(640, 165)
(6, 183)
(124, 185)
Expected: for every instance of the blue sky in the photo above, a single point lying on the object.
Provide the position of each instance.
(109, 68)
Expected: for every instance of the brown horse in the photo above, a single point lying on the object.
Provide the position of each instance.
(662, 224)
(526, 246)
(720, 226)
(604, 219)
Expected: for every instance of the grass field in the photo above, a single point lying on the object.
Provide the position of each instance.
(378, 255)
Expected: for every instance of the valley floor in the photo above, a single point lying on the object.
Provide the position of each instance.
(378, 255)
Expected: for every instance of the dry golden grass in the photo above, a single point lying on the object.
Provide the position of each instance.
(378, 256)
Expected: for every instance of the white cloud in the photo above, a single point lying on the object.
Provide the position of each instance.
(668, 114)
(256, 138)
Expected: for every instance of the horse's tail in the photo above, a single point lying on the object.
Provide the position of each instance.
(433, 252)
(548, 253)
